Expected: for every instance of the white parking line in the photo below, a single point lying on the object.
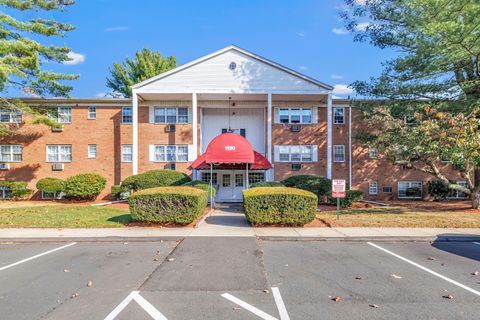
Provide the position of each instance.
(147, 306)
(36, 256)
(477, 243)
(248, 307)
(282, 310)
(458, 284)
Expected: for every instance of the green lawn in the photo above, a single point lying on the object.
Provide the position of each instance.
(64, 216)
(400, 217)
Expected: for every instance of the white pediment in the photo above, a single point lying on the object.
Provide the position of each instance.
(232, 70)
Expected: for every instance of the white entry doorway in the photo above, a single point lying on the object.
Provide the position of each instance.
(231, 183)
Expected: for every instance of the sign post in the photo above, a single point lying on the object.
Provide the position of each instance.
(338, 191)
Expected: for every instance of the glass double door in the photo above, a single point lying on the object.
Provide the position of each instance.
(230, 185)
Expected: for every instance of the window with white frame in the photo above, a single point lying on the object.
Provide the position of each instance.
(61, 114)
(10, 116)
(295, 115)
(170, 115)
(455, 194)
(5, 193)
(295, 153)
(127, 153)
(206, 177)
(373, 153)
(11, 153)
(339, 153)
(170, 153)
(92, 113)
(92, 151)
(59, 153)
(127, 115)
(410, 189)
(338, 115)
(254, 177)
(373, 188)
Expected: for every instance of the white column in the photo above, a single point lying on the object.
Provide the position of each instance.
(350, 145)
(195, 124)
(329, 135)
(135, 132)
(270, 174)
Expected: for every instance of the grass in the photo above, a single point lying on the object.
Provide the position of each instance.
(64, 216)
(400, 217)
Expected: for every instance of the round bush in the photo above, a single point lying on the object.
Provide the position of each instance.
(438, 189)
(51, 185)
(155, 178)
(319, 185)
(279, 205)
(19, 189)
(202, 185)
(267, 184)
(86, 186)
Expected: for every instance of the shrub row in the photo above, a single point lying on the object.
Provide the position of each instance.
(212, 192)
(85, 186)
(279, 205)
(179, 204)
(153, 179)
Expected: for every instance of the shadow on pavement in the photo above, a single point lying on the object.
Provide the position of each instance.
(459, 244)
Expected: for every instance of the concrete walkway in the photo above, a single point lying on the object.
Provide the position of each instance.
(229, 221)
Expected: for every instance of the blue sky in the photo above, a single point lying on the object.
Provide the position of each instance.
(304, 35)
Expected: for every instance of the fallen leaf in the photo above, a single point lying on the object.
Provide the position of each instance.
(396, 277)
(448, 296)
(170, 259)
(66, 270)
(358, 278)
(476, 273)
(89, 283)
(373, 305)
(155, 259)
(266, 291)
(75, 295)
(431, 258)
(158, 251)
(337, 298)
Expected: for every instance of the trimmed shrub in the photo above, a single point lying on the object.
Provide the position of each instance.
(51, 185)
(319, 185)
(86, 186)
(202, 185)
(155, 178)
(413, 192)
(438, 190)
(351, 197)
(18, 189)
(119, 192)
(180, 205)
(267, 184)
(279, 205)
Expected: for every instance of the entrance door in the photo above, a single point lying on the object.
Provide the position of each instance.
(230, 185)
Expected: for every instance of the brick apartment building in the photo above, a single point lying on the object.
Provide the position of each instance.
(290, 120)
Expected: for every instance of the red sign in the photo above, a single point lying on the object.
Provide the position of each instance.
(338, 188)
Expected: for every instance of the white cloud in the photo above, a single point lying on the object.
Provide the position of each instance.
(101, 94)
(336, 76)
(303, 68)
(362, 26)
(340, 31)
(75, 58)
(116, 29)
(301, 34)
(342, 89)
(360, 2)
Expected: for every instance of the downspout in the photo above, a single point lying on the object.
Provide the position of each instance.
(349, 144)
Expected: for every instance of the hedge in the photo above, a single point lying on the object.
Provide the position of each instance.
(279, 205)
(351, 197)
(119, 192)
(155, 178)
(319, 185)
(19, 189)
(51, 185)
(85, 186)
(179, 204)
(438, 189)
(202, 185)
(267, 184)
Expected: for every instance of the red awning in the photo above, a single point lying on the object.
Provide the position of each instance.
(231, 149)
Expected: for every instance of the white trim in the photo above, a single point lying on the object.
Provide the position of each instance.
(135, 132)
(329, 136)
(121, 154)
(194, 124)
(88, 151)
(370, 188)
(343, 148)
(350, 147)
(269, 127)
(243, 51)
(343, 112)
(152, 148)
(409, 182)
(58, 146)
(11, 152)
(88, 113)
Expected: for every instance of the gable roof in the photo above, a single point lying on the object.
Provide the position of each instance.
(242, 51)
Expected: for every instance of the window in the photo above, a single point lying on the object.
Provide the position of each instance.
(338, 115)
(373, 153)
(206, 177)
(59, 153)
(10, 116)
(387, 189)
(170, 153)
(339, 153)
(295, 115)
(92, 151)
(11, 153)
(61, 114)
(373, 188)
(127, 115)
(239, 180)
(127, 153)
(254, 177)
(225, 180)
(295, 153)
(410, 189)
(170, 115)
(454, 194)
(92, 113)
(5, 193)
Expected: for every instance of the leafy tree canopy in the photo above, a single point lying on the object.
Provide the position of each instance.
(145, 65)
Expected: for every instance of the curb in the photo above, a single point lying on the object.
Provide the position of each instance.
(92, 239)
(372, 239)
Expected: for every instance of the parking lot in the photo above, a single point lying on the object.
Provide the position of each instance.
(240, 278)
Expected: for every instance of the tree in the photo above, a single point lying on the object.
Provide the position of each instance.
(430, 93)
(22, 59)
(147, 64)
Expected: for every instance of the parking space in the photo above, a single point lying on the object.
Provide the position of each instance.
(241, 278)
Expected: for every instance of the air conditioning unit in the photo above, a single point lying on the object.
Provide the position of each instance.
(295, 127)
(57, 167)
(4, 166)
(170, 128)
(296, 166)
(57, 129)
(170, 166)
